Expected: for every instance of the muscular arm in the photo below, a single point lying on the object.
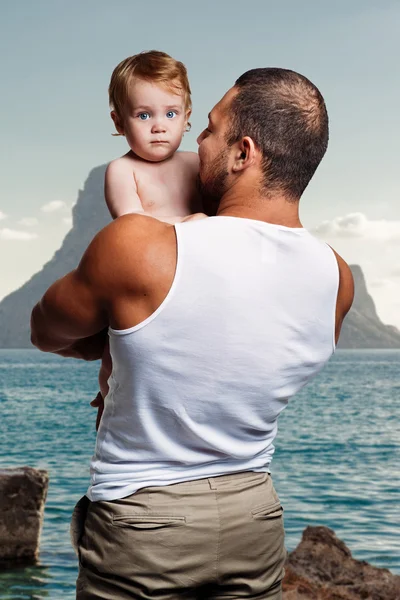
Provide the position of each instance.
(345, 293)
(72, 316)
(73, 309)
(120, 189)
(111, 285)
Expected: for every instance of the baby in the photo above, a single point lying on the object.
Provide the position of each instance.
(149, 96)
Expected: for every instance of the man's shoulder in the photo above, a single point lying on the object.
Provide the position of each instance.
(129, 250)
(133, 232)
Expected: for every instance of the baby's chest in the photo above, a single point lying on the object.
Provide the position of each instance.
(153, 194)
(158, 192)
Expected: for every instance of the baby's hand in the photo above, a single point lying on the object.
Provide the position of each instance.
(194, 217)
(173, 220)
(170, 220)
(98, 403)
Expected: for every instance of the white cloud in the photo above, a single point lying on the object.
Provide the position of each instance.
(2, 215)
(14, 234)
(53, 206)
(68, 221)
(374, 245)
(395, 272)
(357, 225)
(28, 221)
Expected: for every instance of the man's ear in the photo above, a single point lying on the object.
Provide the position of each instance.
(117, 123)
(245, 154)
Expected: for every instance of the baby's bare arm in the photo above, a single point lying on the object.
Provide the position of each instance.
(120, 189)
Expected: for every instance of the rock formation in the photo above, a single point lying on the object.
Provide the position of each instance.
(89, 216)
(23, 493)
(362, 327)
(322, 568)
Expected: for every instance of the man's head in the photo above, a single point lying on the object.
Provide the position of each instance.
(149, 95)
(273, 121)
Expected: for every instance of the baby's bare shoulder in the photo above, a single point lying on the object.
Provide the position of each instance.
(124, 167)
(188, 157)
(118, 167)
(124, 163)
(189, 160)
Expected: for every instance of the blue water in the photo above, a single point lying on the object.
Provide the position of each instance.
(336, 462)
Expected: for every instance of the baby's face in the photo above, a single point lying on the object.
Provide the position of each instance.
(154, 120)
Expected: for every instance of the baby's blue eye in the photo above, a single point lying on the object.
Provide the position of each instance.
(144, 116)
(171, 114)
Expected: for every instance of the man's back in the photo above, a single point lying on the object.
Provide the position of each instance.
(197, 387)
(255, 316)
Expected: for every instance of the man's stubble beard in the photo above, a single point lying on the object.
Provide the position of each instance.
(213, 186)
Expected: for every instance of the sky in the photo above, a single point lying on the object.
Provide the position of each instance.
(56, 59)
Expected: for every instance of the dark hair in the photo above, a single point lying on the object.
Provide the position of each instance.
(285, 115)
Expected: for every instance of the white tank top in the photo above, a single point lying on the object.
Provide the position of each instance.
(196, 389)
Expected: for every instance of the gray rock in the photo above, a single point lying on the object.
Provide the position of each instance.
(89, 215)
(362, 327)
(23, 493)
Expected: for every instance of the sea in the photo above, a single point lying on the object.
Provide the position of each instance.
(336, 461)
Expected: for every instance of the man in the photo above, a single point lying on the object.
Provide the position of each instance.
(214, 324)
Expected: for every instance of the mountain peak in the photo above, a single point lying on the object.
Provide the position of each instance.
(362, 327)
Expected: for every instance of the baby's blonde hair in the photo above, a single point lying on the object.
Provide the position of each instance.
(152, 66)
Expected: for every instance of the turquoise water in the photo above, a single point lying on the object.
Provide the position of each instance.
(336, 462)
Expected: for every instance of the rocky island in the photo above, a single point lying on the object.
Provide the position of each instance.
(362, 327)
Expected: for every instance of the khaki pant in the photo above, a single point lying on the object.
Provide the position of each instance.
(220, 537)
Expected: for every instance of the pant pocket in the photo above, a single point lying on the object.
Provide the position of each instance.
(147, 521)
(145, 546)
(77, 524)
(272, 510)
